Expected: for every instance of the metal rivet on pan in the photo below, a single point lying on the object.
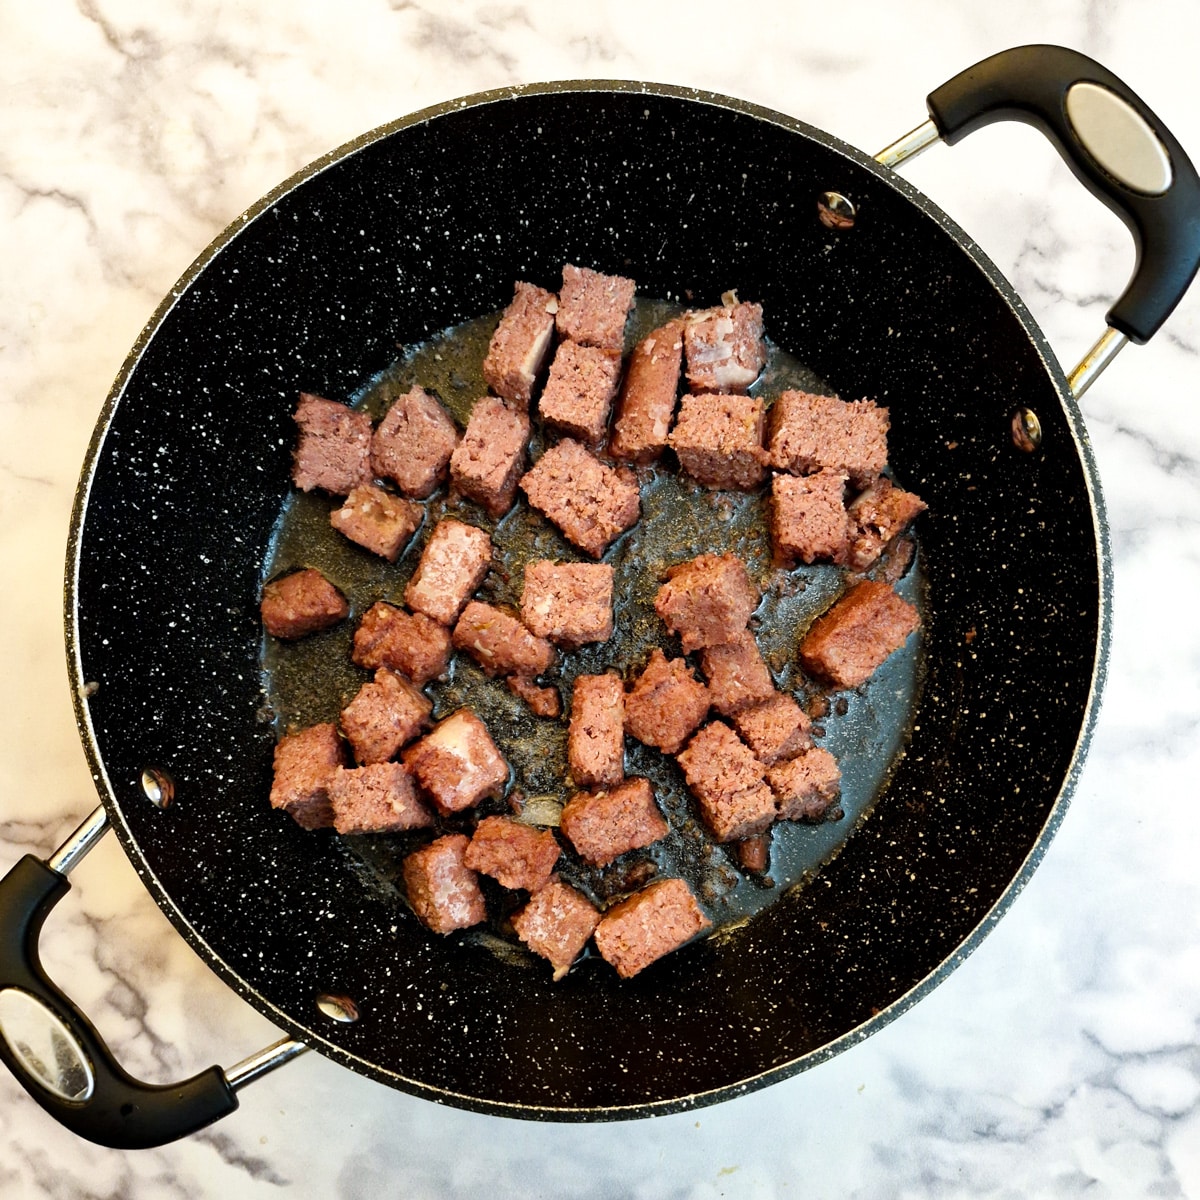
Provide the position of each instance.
(158, 786)
(1026, 430)
(835, 211)
(337, 1008)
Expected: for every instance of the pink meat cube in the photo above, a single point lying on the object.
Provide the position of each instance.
(377, 520)
(596, 733)
(556, 923)
(521, 344)
(727, 781)
(334, 449)
(489, 461)
(578, 395)
(384, 716)
(604, 825)
(515, 855)
(653, 922)
(736, 674)
(647, 401)
(568, 603)
(499, 643)
(378, 798)
(301, 603)
(724, 347)
(410, 643)
(877, 517)
(808, 433)
(808, 517)
(452, 565)
(305, 763)
(719, 441)
(457, 763)
(805, 786)
(444, 892)
(707, 600)
(542, 701)
(593, 308)
(776, 729)
(666, 703)
(413, 443)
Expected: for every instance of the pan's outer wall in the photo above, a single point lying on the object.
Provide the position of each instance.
(422, 225)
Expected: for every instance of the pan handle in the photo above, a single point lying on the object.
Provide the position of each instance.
(1121, 152)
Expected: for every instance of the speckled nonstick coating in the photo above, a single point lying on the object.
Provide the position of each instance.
(421, 225)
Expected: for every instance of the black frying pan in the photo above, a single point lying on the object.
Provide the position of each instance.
(422, 225)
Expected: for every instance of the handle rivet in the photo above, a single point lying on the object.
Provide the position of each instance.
(1026, 430)
(337, 1008)
(836, 211)
(158, 786)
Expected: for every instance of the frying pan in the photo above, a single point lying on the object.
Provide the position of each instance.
(421, 225)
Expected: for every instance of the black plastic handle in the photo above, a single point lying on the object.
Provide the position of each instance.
(121, 1112)
(1031, 84)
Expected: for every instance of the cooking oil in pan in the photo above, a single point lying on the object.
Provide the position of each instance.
(312, 680)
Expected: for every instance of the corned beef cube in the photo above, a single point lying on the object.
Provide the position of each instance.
(301, 603)
(900, 553)
(334, 449)
(707, 600)
(604, 825)
(808, 433)
(808, 517)
(488, 463)
(521, 344)
(593, 308)
(776, 729)
(591, 503)
(377, 520)
(410, 643)
(413, 443)
(647, 401)
(384, 716)
(378, 798)
(848, 642)
(653, 922)
(579, 393)
(458, 763)
(568, 603)
(736, 674)
(443, 892)
(724, 347)
(596, 731)
(542, 701)
(877, 517)
(515, 855)
(719, 441)
(499, 643)
(666, 703)
(452, 565)
(305, 763)
(754, 853)
(556, 923)
(805, 786)
(727, 781)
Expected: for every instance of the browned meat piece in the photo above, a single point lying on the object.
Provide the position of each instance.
(808, 517)
(515, 855)
(542, 701)
(877, 517)
(305, 763)
(596, 732)
(334, 450)
(444, 892)
(808, 433)
(653, 922)
(378, 798)
(719, 441)
(900, 553)
(413, 443)
(458, 763)
(384, 716)
(499, 643)
(736, 674)
(556, 923)
(579, 393)
(593, 308)
(301, 603)
(777, 728)
(754, 854)
(805, 786)
(647, 401)
(666, 703)
(604, 825)
(453, 564)
(848, 642)
(569, 603)
(707, 600)
(489, 461)
(410, 643)
(725, 348)
(591, 503)
(727, 781)
(521, 344)
(377, 520)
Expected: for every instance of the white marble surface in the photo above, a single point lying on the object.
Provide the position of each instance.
(1062, 1057)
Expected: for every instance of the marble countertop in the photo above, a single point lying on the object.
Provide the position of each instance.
(1061, 1058)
